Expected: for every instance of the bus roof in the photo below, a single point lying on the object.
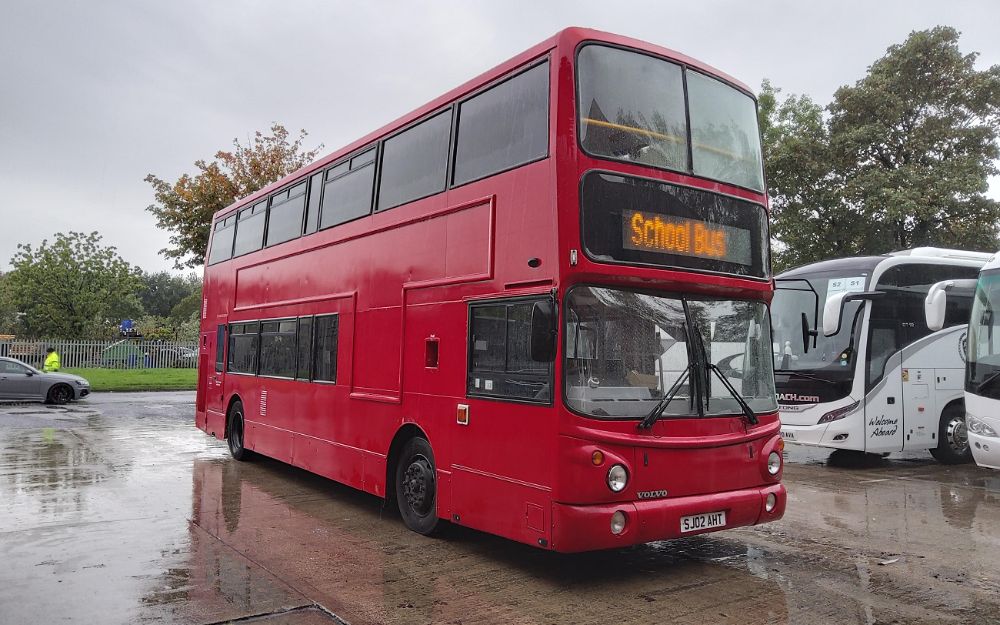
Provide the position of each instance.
(567, 38)
(865, 264)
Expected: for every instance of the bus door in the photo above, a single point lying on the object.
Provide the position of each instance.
(215, 377)
(884, 378)
(505, 424)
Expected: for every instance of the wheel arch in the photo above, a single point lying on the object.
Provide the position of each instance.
(235, 397)
(405, 433)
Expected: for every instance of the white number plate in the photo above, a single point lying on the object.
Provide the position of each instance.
(788, 435)
(703, 521)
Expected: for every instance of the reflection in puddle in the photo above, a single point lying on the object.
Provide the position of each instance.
(366, 567)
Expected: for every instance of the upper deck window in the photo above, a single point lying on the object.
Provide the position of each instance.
(222, 240)
(414, 162)
(632, 108)
(725, 143)
(285, 222)
(250, 229)
(504, 127)
(348, 191)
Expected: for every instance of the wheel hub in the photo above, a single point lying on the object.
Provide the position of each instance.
(418, 481)
(958, 434)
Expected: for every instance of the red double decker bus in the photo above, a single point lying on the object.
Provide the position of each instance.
(536, 306)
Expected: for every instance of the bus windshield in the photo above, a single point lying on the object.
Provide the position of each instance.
(983, 373)
(625, 350)
(834, 355)
(632, 108)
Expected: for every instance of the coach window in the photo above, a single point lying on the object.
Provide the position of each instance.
(504, 127)
(243, 348)
(285, 220)
(312, 212)
(222, 240)
(250, 229)
(500, 364)
(303, 348)
(414, 162)
(277, 348)
(325, 348)
(347, 194)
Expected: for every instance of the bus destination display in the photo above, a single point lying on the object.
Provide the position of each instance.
(665, 234)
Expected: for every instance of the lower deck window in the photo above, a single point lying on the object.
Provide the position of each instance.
(500, 363)
(325, 348)
(243, 348)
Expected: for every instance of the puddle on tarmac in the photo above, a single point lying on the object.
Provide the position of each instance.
(116, 522)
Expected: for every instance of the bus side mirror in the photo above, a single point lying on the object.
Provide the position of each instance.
(833, 310)
(934, 306)
(831, 313)
(543, 331)
(936, 302)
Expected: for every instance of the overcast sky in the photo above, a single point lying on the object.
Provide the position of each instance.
(94, 95)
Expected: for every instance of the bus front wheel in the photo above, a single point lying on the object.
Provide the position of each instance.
(416, 486)
(235, 433)
(953, 437)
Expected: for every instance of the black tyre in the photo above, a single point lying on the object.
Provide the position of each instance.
(416, 486)
(60, 394)
(953, 437)
(235, 432)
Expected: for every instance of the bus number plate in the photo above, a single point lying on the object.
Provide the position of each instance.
(705, 521)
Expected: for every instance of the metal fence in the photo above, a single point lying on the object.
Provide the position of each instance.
(120, 354)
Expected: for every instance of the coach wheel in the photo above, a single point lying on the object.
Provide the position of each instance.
(953, 437)
(416, 487)
(235, 433)
(60, 394)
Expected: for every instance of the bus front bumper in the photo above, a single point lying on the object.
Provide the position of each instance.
(585, 528)
(836, 435)
(985, 450)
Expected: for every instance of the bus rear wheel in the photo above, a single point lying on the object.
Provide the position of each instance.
(416, 487)
(953, 437)
(235, 433)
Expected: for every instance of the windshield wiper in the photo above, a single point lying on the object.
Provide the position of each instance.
(990, 379)
(808, 376)
(750, 414)
(711, 366)
(661, 405)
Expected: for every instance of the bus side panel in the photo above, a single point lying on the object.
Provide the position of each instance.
(502, 506)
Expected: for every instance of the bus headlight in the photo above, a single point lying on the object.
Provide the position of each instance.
(980, 427)
(838, 414)
(773, 463)
(770, 502)
(617, 522)
(617, 478)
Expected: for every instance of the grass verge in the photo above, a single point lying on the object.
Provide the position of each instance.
(138, 379)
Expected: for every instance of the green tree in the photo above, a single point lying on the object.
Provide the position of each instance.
(73, 287)
(900, 159)
(161, 291)
(809, 216)
(9, 323)
(185, 206)
(190, 305)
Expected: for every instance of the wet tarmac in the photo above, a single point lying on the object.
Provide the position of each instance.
(117, 510)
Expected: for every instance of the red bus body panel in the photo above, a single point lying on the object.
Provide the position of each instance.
(403, 278)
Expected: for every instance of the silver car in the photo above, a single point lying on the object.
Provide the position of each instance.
(23, 382)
